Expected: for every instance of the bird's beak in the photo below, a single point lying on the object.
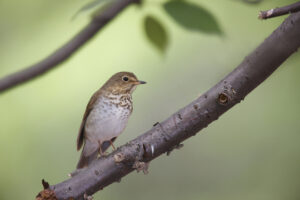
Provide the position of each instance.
(142, 82)
(139, 82)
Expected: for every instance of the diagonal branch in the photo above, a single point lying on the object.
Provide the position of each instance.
(67, 50)
(164, 136)
(275, 12)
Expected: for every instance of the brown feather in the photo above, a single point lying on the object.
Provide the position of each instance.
(115, 85)
(89, 108)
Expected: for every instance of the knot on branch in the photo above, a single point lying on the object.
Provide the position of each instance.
(119, 157)
(149, 150)
(141, 166)
(223, 99)
(47, 193)
(227, 95)
(265, 14)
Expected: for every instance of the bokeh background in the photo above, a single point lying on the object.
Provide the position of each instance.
(251, 152)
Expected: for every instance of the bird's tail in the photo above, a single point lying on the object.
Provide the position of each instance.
(90, 153)
(84, 160)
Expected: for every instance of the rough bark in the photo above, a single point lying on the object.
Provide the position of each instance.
(67, 50)
(186, 122)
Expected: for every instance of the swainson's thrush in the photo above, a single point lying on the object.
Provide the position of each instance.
(106, 116)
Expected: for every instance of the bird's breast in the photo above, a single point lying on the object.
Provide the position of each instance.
(116, 106)
(108, 118)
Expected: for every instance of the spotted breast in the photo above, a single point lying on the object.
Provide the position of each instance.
(109, 118)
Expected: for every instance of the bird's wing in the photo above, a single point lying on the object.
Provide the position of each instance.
(89, 108)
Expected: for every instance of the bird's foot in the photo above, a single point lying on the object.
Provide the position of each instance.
(102, 155)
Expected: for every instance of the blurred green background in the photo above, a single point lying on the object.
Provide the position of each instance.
(251, 152)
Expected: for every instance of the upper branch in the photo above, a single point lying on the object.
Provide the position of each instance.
(63, 53)
(164, 136)
(279, 11)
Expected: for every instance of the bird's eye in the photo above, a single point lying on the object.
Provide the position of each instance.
(125, 78)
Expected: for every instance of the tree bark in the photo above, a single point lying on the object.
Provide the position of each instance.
(275, 12)
(67, 50)
(186, 122)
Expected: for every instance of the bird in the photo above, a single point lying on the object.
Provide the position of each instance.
(106, 116)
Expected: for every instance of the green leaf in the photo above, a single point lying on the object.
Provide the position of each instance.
(156, 33)
(192, 17)
(89, 6)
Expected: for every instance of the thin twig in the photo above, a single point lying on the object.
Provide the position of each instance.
(255, 68)
(275, 12)
(67, 50)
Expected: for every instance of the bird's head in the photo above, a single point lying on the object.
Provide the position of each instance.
(122, 83)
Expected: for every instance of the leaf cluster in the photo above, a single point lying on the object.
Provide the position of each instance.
(184, 13)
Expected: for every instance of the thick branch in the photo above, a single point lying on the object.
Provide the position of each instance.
(279, 11)
(63, 53)
(186, 122)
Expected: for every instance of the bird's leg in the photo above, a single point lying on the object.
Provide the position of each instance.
(101, 153)
(112, 145)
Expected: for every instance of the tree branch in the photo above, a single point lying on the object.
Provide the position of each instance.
(63, 53)
(279, 11)
(164, 136)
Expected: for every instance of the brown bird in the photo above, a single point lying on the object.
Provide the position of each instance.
(106, 116)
